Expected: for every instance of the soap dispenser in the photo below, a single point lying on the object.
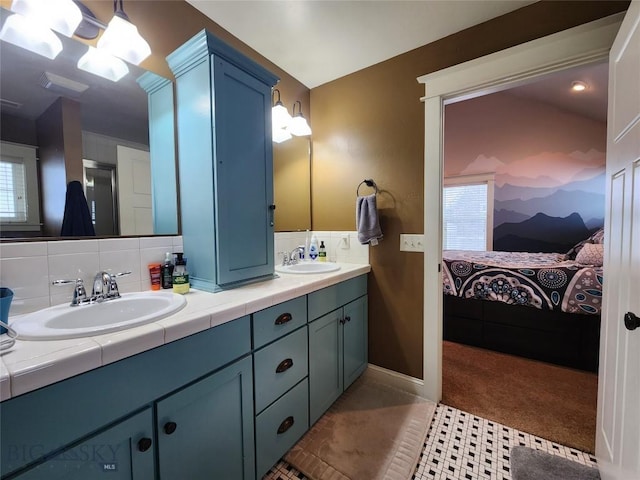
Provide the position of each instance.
(167, 271)
(180, 275)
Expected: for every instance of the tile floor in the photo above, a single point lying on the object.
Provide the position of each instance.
(461, 446)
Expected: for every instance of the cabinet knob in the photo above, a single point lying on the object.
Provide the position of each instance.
(286, 424)
(170, 427)
(347, 319)
(144, 444)
(342, 321)
(285, 365)
(284, 318)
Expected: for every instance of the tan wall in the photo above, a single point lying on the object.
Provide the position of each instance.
(370, 124)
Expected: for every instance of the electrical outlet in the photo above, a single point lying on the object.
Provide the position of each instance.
(344, 242)
(413, 242)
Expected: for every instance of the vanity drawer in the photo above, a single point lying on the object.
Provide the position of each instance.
(280, 426)
(279, 366)
(328, 299)
(274, 322)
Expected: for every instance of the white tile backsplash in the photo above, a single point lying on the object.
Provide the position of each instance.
(28, 268)
(336, 251)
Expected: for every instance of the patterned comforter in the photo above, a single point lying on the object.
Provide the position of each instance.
(540, 280)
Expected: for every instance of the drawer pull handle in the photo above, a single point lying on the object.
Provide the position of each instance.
(286, 424)
(170, 427)
(347, 319)
(284, 318)
(285, 365)
(144, 444)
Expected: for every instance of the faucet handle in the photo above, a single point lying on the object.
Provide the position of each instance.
(79, 292)
(285, 258)
(112, 291)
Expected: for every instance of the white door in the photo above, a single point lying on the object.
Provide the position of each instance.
(134, 191)
(618, 427)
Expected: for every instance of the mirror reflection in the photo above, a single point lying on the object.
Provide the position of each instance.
(81, 127)
(292, 184)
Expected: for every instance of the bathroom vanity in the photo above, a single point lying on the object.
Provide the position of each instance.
(226, 402)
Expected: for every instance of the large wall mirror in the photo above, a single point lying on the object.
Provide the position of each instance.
(292, 184)
(101, 126)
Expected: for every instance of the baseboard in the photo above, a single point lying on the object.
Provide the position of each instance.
(397, 380)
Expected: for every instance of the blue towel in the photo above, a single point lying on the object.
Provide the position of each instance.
(77, 218)
(367, 221)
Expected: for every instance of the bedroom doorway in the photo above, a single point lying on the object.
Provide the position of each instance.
(533, 171)
(578, 46)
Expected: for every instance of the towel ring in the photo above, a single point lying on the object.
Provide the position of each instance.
(370, 183)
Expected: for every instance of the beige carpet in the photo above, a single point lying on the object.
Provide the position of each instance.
(371, 432)
(552, 402)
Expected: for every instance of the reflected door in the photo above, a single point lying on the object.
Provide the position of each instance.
(99, 188)
(134, 191)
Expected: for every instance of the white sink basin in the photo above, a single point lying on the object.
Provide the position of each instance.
(64, 321)
(308, 267)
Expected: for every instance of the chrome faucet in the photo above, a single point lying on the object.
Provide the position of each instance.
(296, 255)
(102, 287)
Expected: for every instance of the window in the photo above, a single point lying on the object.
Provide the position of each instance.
(19, 202)
(467, 215)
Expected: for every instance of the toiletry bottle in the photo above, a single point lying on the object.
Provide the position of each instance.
(167, 271)
(322, 252)
(154, 273)
(307, 242)
(302, 252)
(180, 275)
(313, 248)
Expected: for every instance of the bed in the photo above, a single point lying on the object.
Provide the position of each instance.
(544, 306)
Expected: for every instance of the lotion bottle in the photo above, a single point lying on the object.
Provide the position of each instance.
(322, 253)
(313, 248)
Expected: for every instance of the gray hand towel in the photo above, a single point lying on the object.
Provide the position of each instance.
(367, 220)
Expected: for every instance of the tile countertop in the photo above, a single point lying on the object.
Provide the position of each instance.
(30, 365)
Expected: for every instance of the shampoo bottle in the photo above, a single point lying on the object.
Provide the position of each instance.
(313, 248)
(180, 275)
(167, 271)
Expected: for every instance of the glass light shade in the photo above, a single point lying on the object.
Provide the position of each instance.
(103, 64)
(31, 35)
(280, 116)
(299, 126)
(63, 16)
(280, 135)
(121, 39)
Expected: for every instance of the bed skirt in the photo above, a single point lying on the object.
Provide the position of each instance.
(567, 339)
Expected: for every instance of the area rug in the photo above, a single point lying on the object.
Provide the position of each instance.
(529, 464)
(371, 432)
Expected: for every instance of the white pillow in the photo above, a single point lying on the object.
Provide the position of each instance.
(591, 254)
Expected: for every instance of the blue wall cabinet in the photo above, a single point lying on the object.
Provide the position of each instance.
(162, 147)
(338, 341)
(121, 452)
(225, 163)
(205, 431)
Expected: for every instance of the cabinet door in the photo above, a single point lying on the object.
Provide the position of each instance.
(205, 431)
(122, 452)
(355, 346)
(325, 363)
(243, 174)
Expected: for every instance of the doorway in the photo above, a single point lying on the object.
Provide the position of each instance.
(99, 180)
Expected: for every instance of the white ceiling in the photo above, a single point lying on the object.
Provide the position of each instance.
(317, 41)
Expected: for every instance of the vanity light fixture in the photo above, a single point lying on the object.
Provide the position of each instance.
(280, 117)
(63, 16)
(121, 38)
(31, 35)
(280, 135)
(102, 63)
(299, 125)
(578, 86)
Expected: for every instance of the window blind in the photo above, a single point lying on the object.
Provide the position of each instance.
(13, 192)
(465, 217)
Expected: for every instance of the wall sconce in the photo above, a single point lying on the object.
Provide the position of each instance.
(280, 117)
(299, 125)
(33, 21)
(121, 38)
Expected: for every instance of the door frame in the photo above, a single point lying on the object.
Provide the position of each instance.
(588, 43)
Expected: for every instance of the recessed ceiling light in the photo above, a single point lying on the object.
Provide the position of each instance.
(578, 86)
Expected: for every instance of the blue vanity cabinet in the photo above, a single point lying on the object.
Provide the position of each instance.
(162, 152)
(205, 431)
(121, 452)
(223, 102)
(338, 340)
